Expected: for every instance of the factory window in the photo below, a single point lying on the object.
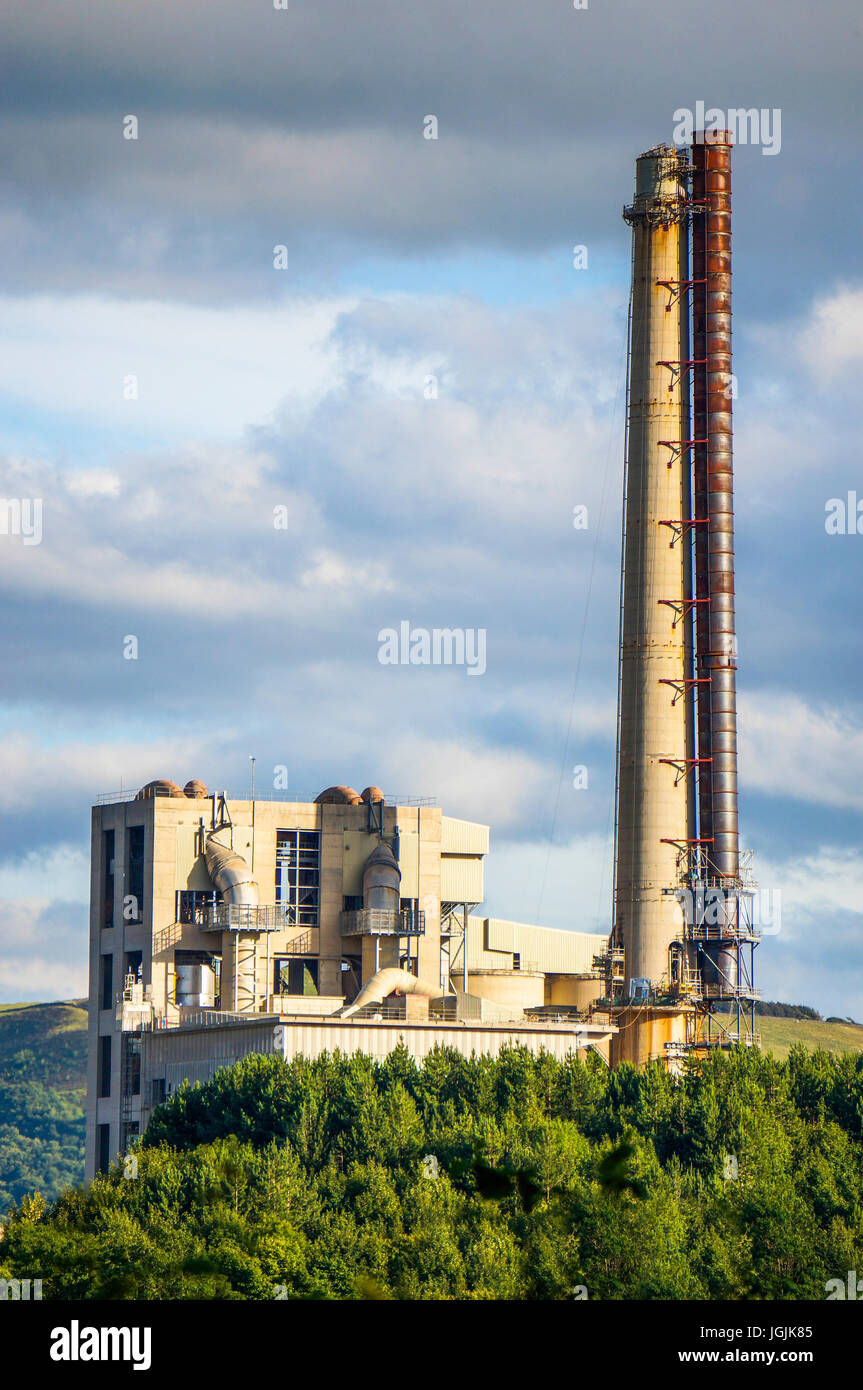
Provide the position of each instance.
(131, 1130)
(411, 909)
(353, 903)
(103, 1148)
(105, 1065)
(107, 878)
(298, 875)
(132, 1081)
(133, 906)
(133, 964)
(106, 981)
(295, 975)
(194, 907)
(158, 1089)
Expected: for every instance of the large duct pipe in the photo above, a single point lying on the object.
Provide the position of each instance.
(230, 873)
(716, 650)
(386, 982)
(381, 880)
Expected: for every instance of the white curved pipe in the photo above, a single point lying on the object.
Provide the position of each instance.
(230, 873)
(383, 983)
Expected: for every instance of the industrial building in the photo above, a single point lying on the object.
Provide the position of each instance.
(223, 925)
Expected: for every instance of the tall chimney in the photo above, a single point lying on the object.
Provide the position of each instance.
(676, 833)
(655, 805)
(715, 641)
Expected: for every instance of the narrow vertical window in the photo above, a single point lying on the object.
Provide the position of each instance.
(107, 878)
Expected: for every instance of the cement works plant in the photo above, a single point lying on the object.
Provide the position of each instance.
(225, 925)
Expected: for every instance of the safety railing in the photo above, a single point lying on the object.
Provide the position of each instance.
(295, 798)
(245, 917)
(371, 921)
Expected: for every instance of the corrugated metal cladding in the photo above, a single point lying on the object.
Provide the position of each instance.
(462, 837)
(461, 880)
(492, 942)
(178, 1072)
(195, 1055)
(500, 935)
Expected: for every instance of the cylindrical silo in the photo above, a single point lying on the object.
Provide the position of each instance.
(196, 984)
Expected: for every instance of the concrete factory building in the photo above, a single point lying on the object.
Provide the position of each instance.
(222, 926)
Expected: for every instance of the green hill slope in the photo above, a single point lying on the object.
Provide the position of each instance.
(43, 1078)
(778, 1035)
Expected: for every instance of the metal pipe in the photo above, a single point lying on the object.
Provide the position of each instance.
(385, 982)
(230, 873)
(716, 645)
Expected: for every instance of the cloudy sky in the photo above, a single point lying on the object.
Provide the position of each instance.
(165, 388)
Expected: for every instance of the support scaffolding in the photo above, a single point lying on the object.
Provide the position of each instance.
(454, 918)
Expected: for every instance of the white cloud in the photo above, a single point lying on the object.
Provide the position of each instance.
(188, 530)
(31, 770)
(823, 344)
(492, 785)
(40, 875)
(330, 571)
(832, 340)
(43, 949)
(816, 955)
(106, 577)
(818, 885)
(201, 372)
(93, 482)
(789, 748)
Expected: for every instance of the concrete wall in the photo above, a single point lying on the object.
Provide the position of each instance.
(520, 989)
(115, 941)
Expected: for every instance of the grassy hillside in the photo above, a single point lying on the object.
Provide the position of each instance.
(43, 1071)
(778, 1035)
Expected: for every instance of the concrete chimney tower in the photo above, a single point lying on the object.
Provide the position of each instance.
(683, 918)
(655, 798)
